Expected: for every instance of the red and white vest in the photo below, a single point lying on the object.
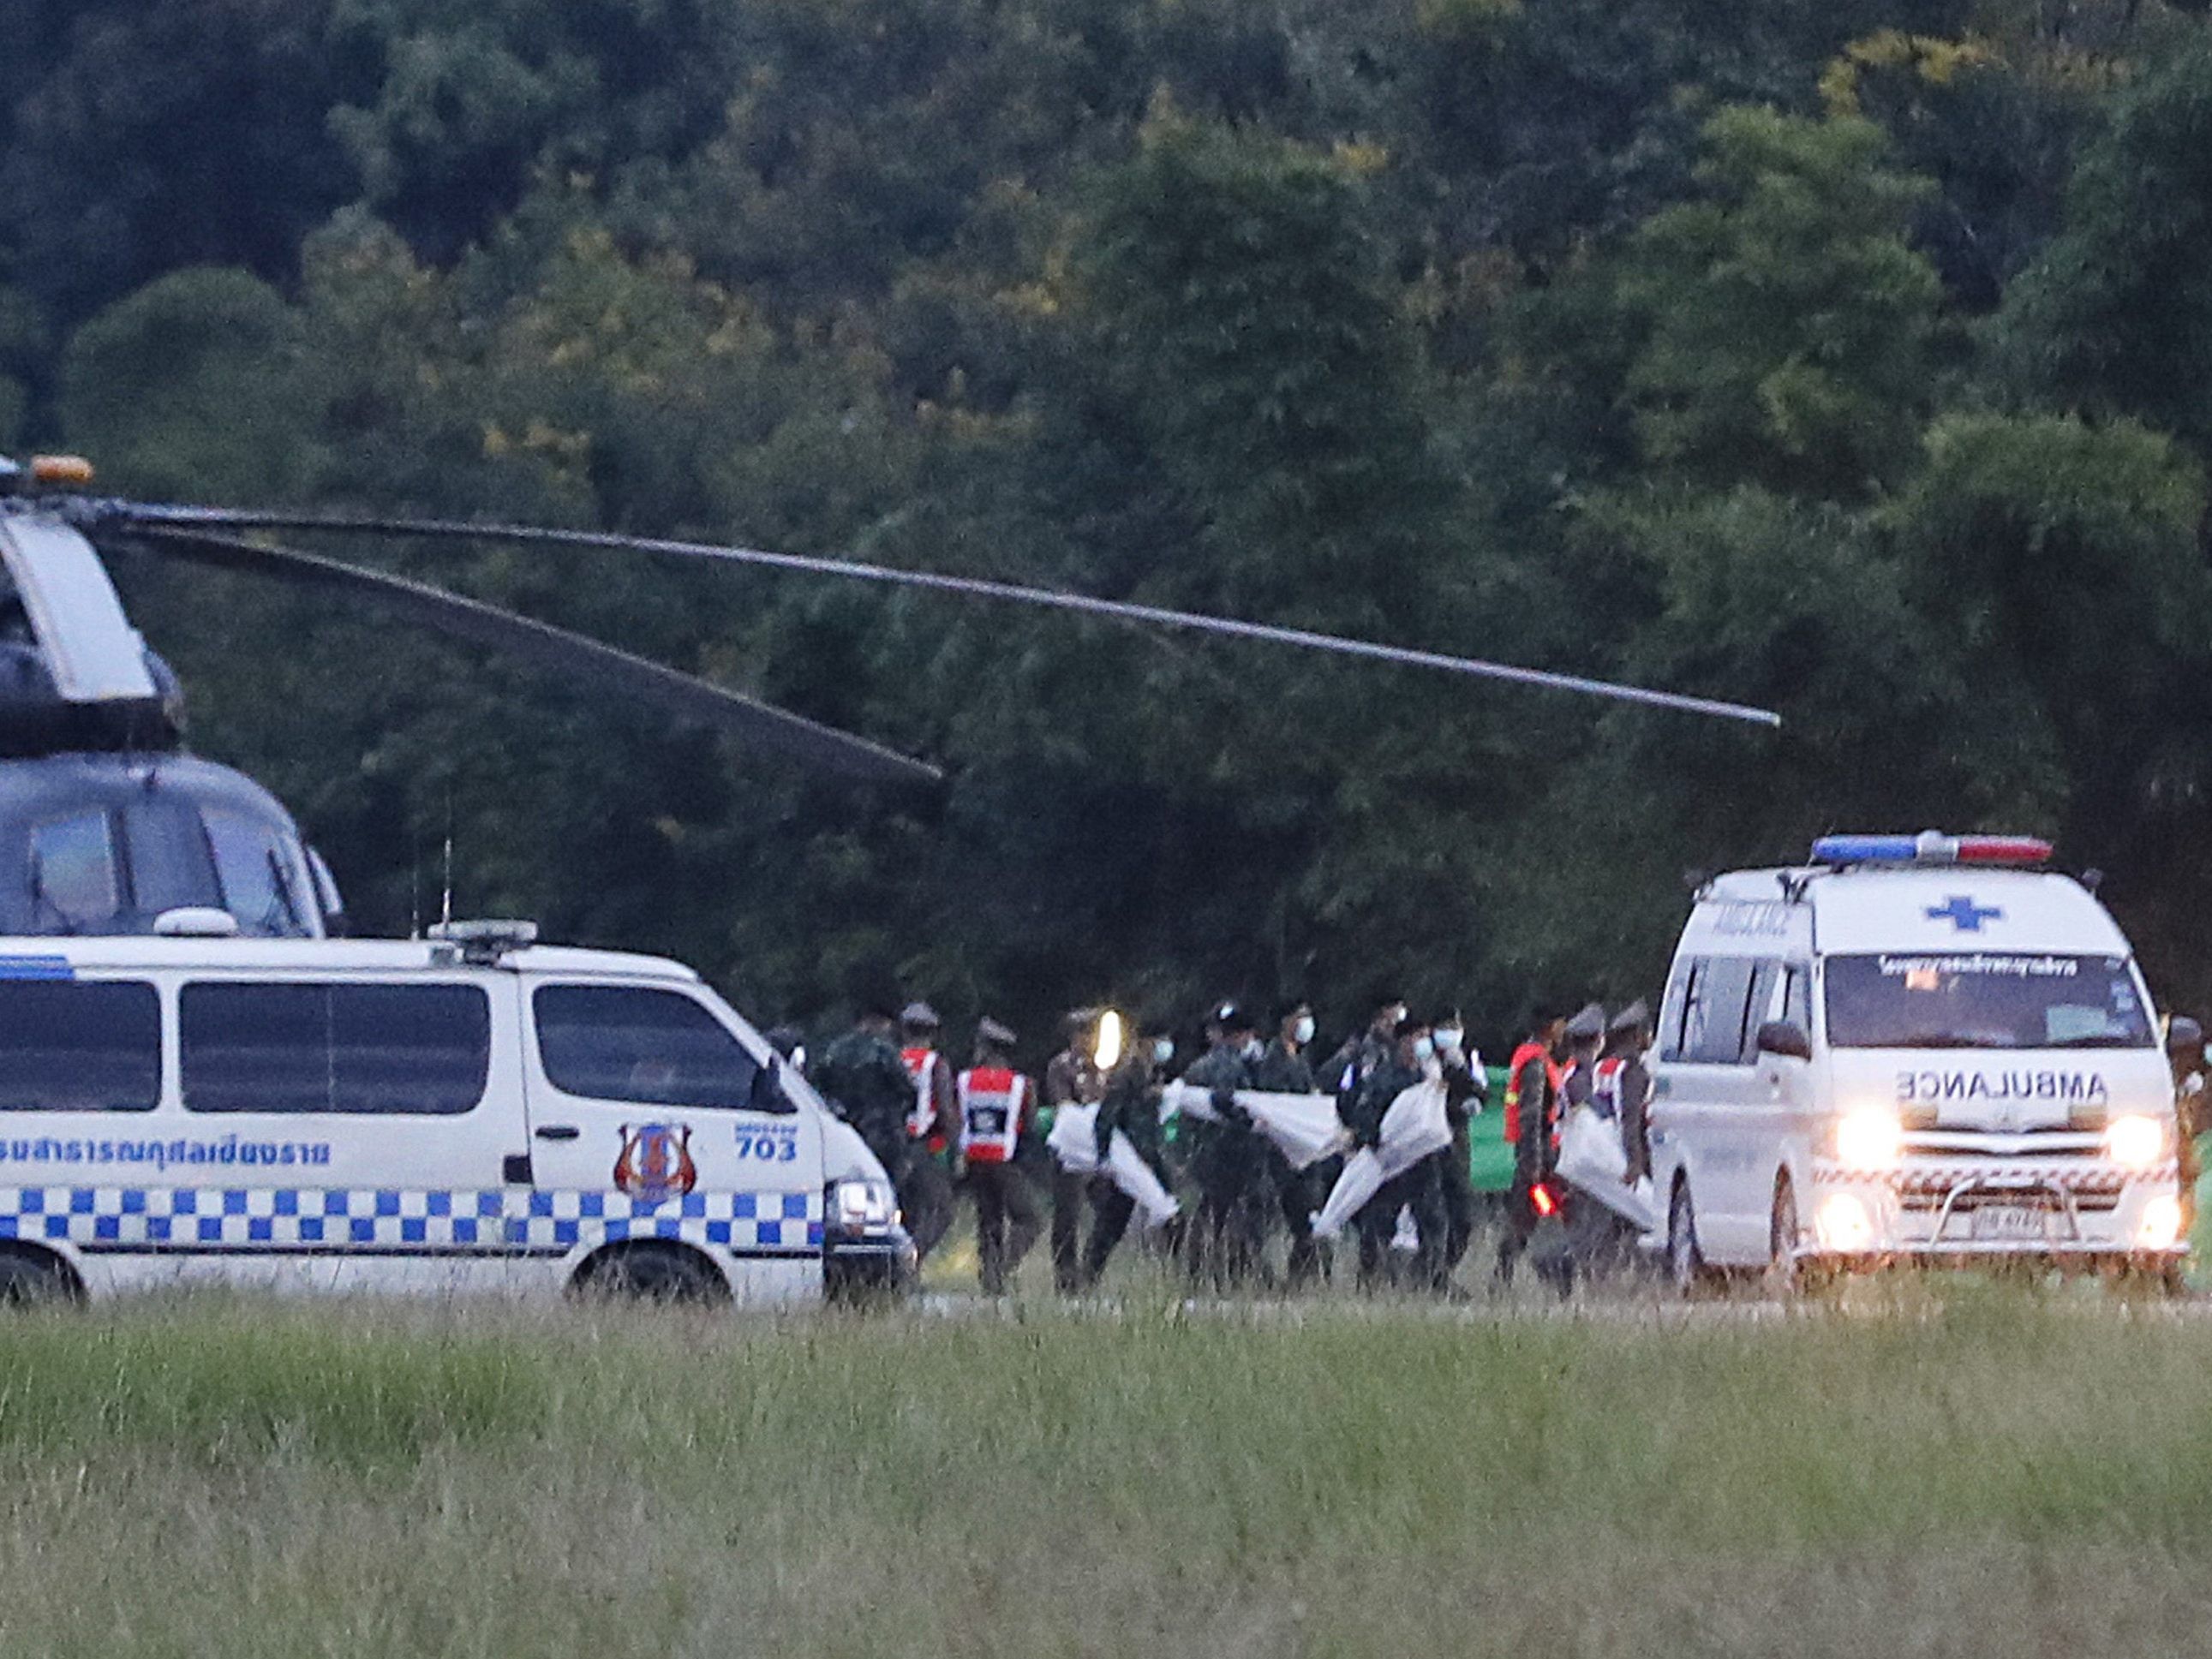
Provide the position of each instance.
(921, 1116)
(993, 1102)
(1554, 1079)
(1605, 1086)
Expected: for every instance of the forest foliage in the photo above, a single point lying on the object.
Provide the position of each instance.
(1851, 360)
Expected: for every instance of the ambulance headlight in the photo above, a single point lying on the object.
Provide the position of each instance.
(1869, 1137)
(2135, 1142)
(862, 1206)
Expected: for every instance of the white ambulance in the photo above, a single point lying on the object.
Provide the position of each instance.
(469, 1112)
(1914, 1049)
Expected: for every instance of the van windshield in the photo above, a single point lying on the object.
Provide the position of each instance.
(1984, 1000)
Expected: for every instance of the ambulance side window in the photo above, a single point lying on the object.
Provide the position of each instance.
(1713, 1022)
(409, 1050)
(1797, 996)
(1673, 1007)
(1766, 994)
(656, 1048)
(73, 1046)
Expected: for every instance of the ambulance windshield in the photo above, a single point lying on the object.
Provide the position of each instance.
(1984, 1000)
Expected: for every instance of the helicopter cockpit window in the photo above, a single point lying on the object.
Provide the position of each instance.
(72, 874)
(261, 883)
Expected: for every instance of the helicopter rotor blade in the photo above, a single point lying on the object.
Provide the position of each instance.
(557, 649)
(972, 586)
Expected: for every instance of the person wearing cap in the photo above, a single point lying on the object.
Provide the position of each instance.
(1299, 1192)
(1131, 1104)
(1419, 1187)
(997, 1106)
(1228, 1156)
(932, 1121)
(1467, 1090)
(1623, 1090)
(862, 1077)
(1532, 1112)
(1620, 1092)
(1072, 1079)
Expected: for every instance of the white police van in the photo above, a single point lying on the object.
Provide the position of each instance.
(468, 1112)
(1916, 1048)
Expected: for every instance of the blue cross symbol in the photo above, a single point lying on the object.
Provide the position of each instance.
(1964, 913)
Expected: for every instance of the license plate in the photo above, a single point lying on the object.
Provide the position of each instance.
(2012, 1224)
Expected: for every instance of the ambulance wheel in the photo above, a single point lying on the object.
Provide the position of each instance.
(652, 1273)
(1783, 1271)
(1685, 1262)
(29, 1280)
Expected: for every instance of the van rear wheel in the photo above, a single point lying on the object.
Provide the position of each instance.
(652, 1273)
(29, 1280)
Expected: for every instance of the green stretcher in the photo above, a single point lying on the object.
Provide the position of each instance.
(1490, 1157)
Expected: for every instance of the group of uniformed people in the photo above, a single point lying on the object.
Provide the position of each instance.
(938, 1130)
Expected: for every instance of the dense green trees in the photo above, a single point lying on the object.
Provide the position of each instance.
(1849, 360)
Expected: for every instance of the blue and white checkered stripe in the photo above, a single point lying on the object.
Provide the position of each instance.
(477, 1220)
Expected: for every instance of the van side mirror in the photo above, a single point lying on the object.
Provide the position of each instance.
(2183, 1036)
(766, 1093)
(1785, 1037)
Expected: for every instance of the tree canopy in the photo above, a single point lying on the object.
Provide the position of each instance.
(1849, 360)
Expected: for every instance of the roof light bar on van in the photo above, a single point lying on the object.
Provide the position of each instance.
(1931, 848)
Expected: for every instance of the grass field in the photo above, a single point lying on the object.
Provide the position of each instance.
(1954, 1470)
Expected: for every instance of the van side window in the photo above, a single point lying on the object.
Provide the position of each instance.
(79, 1046)
(1712, 1023)
(638, 1043)
(408, 1050)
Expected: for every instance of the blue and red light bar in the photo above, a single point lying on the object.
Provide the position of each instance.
(1931, 848)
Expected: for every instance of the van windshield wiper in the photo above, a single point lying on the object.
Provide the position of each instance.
(2098, 1040)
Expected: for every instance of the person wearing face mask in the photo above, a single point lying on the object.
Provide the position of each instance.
(1283, 1071)
(1228, 1157)
(1466, 1092)
(1413, 1061)
(1130, 1103)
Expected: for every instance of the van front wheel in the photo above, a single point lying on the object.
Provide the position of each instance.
(652, 1273)
(1685, 1262)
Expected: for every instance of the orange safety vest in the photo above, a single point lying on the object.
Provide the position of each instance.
(993, 1100)
(1554, 1078)
(921, 1116)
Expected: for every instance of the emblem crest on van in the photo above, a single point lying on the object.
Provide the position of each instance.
(655, 1161)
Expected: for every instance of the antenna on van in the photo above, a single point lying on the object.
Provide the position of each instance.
(415, 891)
(446, 908)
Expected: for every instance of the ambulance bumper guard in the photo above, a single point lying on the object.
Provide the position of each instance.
(1963, 1212)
